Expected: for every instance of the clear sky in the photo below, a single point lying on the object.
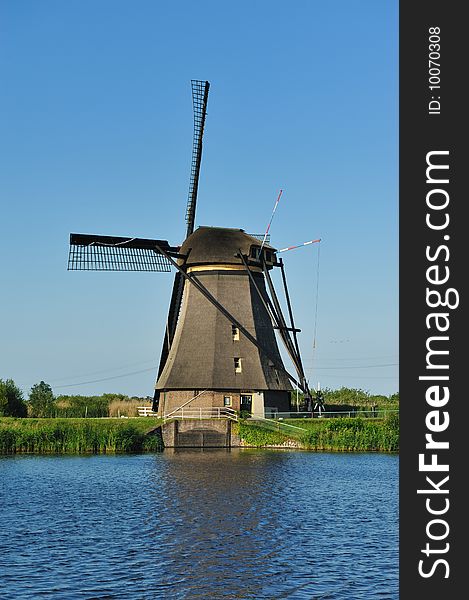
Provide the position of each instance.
(96, 137)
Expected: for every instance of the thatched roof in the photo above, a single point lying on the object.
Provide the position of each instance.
(218, 245)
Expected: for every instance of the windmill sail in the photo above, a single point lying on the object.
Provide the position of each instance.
(199, 99)
(112, 253)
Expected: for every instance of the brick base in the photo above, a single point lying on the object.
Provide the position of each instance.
(174, 399)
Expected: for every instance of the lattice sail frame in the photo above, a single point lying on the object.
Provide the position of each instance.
(106, 253)
(199, 99)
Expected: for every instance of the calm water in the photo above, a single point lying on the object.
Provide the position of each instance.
(200, 525)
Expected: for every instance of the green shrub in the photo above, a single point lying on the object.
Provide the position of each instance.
(12, 403)
(41, 402)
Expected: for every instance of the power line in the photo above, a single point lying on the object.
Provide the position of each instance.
(384, 357)
(102, 371)
(360, 377)
(358, 367)
(106, 378)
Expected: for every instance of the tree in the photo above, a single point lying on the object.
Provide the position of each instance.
(41, 400)
(12, 403)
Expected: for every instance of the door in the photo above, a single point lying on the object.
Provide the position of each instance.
(246, 403)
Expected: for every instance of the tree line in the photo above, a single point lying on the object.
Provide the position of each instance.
(42, 402)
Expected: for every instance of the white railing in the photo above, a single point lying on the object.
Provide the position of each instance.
(202, 413)
(146, 411)
(377, 413)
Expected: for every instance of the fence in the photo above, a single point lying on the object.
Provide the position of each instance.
(146, 411)
(202, 413)
(379, 413)
(229, 413)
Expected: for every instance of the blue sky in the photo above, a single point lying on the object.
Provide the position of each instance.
(96, 137)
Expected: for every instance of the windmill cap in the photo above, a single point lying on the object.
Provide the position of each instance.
(219, 245)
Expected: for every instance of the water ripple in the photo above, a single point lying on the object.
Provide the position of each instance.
(190, 525)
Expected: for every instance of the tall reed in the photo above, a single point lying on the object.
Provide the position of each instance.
(78, 435)
(350, 434)
(125, 408)
(340, 434)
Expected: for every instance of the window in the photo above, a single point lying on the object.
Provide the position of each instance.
(235, 333)
(237, 365)
(268, 256)
(245, 403)
(255, 251)
(226, 400)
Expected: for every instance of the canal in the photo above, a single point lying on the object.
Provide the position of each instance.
(190, 524)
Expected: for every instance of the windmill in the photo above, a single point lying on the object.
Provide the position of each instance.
(219, 347)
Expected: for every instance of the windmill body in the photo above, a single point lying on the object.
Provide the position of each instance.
(210, 360)
(219, 348)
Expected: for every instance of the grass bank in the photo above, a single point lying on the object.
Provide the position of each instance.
(96, 436)
(77, 436)
(342, 434)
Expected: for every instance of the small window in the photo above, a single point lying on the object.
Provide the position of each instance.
(255, 251)
(235, 333)
(226, 400)
(268, 256)
(237, 365)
